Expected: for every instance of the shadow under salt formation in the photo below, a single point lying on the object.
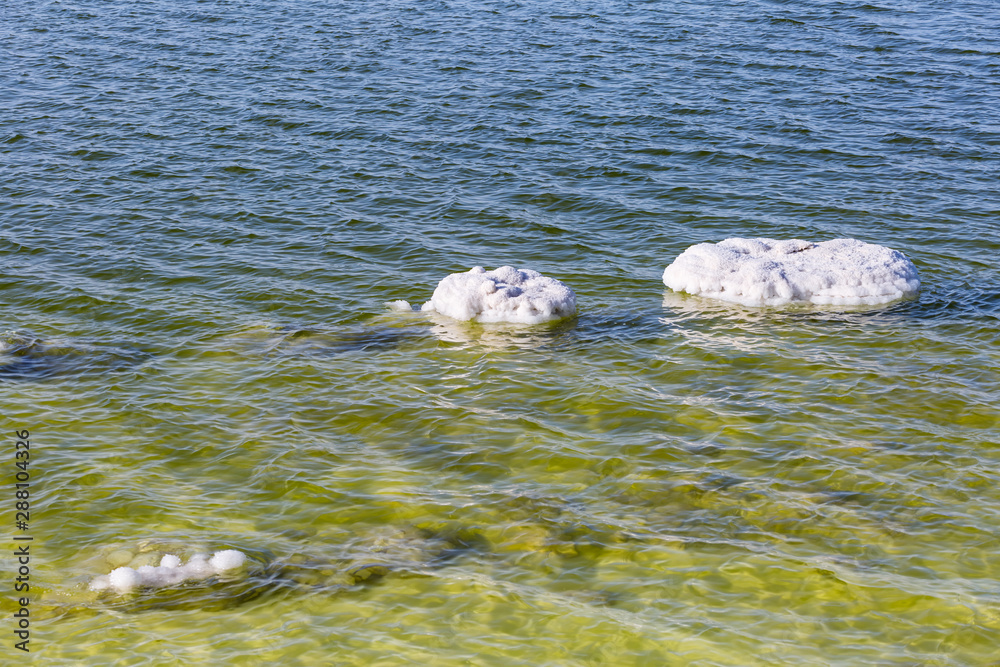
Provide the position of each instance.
(685, 308)
(25, 358)
(498, 335)
(693, 306)
(583, 330)
(975, 307)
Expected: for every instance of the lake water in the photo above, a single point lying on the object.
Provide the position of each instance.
(206, 205)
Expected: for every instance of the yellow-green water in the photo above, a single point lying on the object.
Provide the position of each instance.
(205, 210)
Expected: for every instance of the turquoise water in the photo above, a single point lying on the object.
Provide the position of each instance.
(206, 206)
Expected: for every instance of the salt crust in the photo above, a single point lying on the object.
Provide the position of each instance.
(766, 272)
(170, 572)
(505, 294)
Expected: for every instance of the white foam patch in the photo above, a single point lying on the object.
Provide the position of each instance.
(503, 295)
(766, 272)
(170, 572)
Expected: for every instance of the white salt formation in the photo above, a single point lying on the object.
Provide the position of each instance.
(399, 305)
(230, 559)
(765, 272)
(504, 295)
(170, 572)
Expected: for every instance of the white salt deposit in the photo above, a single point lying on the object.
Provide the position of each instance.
(170, 572)
(766, 272)
(170, 560)
(229, 559)
(503, 295)
(199, 567)
(399, 305)
(123, 579)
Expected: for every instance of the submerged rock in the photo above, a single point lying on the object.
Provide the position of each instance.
(371, 340)
(24, 358)
(289, 340)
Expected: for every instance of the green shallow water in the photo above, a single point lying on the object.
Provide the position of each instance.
(737, 488)
(205, 211)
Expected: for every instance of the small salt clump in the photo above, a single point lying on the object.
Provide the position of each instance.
(169, 572)
(169, 560)
(504, 295)
(124, 579)
(100, 582)
(199, 568)
(766, 272)
(229, 559)
(399, 305)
